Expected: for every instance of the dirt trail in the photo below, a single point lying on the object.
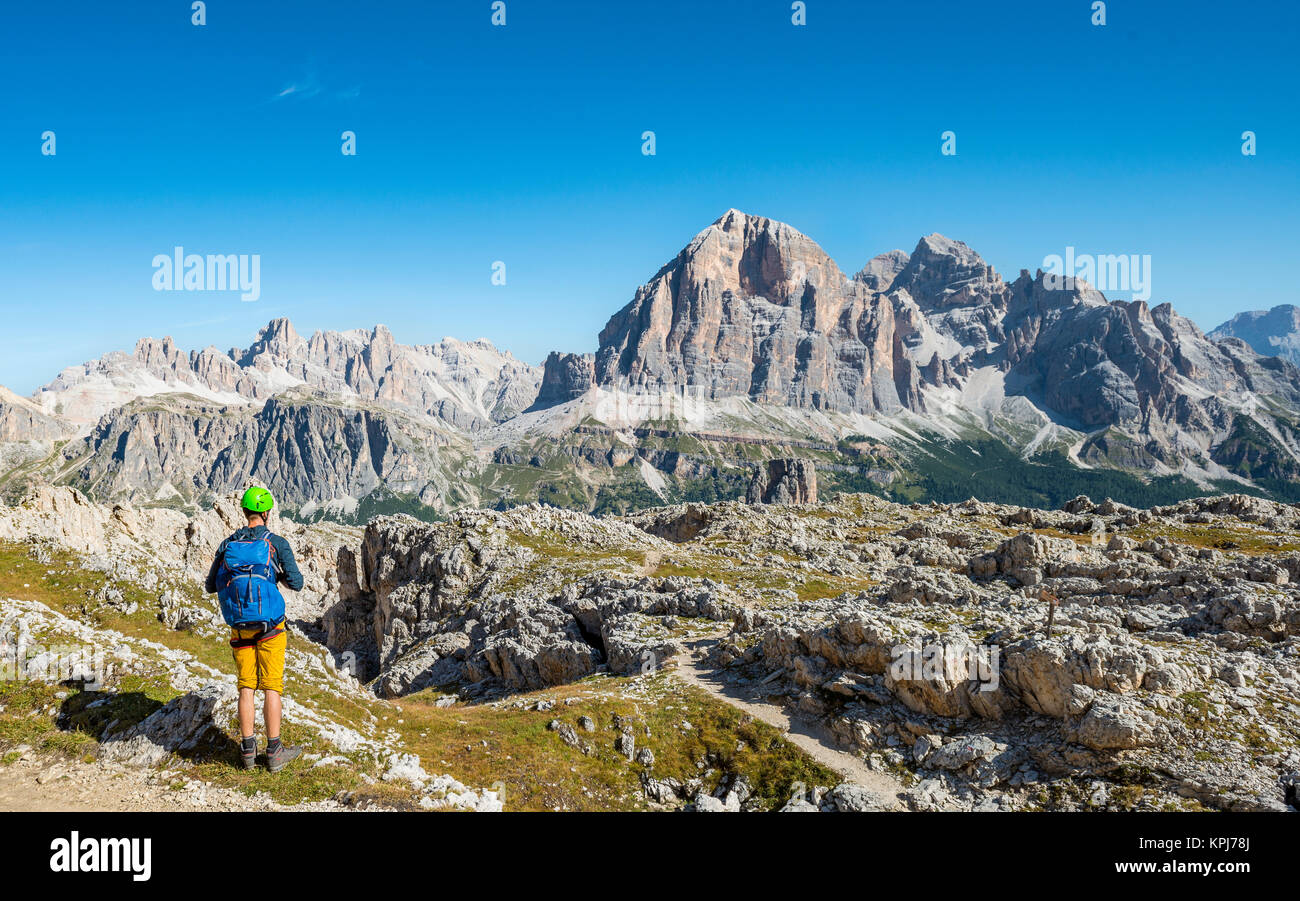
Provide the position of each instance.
(809, 738)
(36, 783)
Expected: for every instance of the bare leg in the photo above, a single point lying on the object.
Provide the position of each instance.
(271, 710)
(246, 701)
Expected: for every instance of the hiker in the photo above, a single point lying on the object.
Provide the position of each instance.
(246, 574)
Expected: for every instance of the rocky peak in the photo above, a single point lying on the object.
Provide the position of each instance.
(1038, 295)
(881, 270)
(1273, 332)
(942, 272)
(278, 340)
(727, 314)
(380, 351)
(160, 356)
(758, 257)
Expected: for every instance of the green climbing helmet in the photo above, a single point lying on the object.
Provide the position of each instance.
(257, 500)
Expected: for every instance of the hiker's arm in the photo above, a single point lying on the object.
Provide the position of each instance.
(211, 585)
(289, 573)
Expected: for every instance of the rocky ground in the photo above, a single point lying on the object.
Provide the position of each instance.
(916, 636)
(851, 654)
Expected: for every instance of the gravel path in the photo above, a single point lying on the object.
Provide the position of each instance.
(692, 669)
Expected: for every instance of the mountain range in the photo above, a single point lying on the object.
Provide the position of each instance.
(925, 375)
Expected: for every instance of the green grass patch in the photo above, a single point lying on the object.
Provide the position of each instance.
(512, 747)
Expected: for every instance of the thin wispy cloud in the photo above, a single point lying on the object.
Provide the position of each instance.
(309, 86)
(305, 88)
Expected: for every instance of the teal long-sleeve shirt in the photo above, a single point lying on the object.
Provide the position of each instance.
(287, 572)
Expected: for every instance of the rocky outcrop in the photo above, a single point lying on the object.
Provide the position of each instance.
(431, 608)
(565, 377)
(783, 482)
(1150, 636)
(1026, 558)
(190, 724)
(22, 420)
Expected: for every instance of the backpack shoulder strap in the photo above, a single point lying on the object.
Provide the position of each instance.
(275, 557)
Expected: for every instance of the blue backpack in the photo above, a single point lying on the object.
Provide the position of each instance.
(246, 588)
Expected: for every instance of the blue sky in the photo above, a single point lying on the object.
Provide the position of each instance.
(523, 144)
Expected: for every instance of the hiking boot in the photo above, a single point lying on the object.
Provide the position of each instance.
(277, 760)
(248, 755)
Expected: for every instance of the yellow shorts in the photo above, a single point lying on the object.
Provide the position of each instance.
(261, 666)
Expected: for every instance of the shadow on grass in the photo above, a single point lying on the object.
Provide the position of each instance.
(98, 712)
(109, 716)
